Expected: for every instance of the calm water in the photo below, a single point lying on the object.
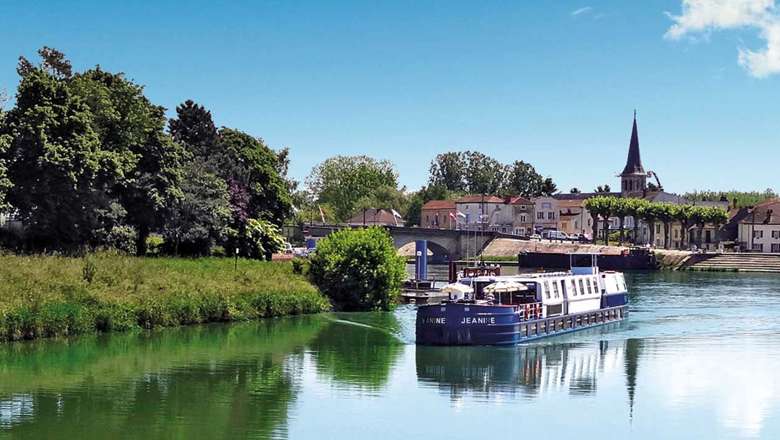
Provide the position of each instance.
(699, 357)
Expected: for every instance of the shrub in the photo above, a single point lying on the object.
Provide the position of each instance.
(154, 244)
(122, 238)
(358, 269)
(300, 266)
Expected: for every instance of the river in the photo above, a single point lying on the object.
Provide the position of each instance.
(698, 358)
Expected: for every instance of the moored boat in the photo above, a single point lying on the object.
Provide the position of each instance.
(511, 309)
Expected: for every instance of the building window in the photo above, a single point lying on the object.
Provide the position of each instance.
(546, 205)
(522, 218)
(540, 215)
(758, 234)
(676, 233)
(775, 247)
(551, 216)
(658, 228)
(776, 234)
(707, 236)
(758, 247)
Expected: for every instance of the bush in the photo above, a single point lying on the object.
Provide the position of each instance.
(122, 238)
(358, 269)
(154, 244)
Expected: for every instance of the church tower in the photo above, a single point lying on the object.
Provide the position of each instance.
(633, 179)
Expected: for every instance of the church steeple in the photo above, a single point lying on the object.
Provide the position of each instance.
(633, 178)
(634, 161)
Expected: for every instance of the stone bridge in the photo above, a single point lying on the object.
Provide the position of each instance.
(445, 244)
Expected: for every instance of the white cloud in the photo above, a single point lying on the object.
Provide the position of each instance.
(579, 11)
(708, 15)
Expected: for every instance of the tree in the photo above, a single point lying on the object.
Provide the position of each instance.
(603, 189)
(200, 218)
(54, 159)
(575, 190)
(5, 143)
(262, 239)
(666, 213)
(146, 167)
(601, 207)
(448, 170)
(484, 175)
(194, 128)
(251, 170)
(358, 269)
(621, 208)
(548, 187)
(685, 215)
(342, 181)
(53, 62)
(636, 209)
(522, 179)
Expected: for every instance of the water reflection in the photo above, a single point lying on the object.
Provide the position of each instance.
(695, 365)
(358, 349)
(200, 382)
(526, 371)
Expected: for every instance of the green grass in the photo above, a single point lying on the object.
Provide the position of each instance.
(45, 296)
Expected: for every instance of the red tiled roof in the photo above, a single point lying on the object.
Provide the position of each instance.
(439, 204)
(519, 200)
(767, 213)
(478, 198)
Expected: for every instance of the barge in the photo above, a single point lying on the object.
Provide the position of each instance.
(508, 310)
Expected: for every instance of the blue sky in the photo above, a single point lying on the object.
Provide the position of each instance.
(405, 80)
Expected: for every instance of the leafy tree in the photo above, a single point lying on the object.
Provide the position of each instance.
(342, 181)
(738, 199)
(54, 159)
(621, 208)
(484, 175)
(194, 128)
(474, 172)
(636, 209)
(145, 172)
(575, 190)
(448, 170)
(358, 269)
(548, 187)
(53, 62)
(200, 218)
(5, 144)
(603, 189)
(262, 239)
(601, 207)
(685, 215)
(251, 170)
(522, 179)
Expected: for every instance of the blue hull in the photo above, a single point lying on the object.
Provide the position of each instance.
(470, 324)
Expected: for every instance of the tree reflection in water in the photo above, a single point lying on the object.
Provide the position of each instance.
(199, 382)
(358, 350)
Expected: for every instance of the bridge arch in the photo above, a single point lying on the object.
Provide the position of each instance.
(437, 252)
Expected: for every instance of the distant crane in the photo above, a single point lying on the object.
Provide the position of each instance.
(657, 180)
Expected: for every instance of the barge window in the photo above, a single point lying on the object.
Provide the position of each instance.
(590, 286)
(582, 287)
(573, 288)
(547, 289)
(555, 289)
(563, 287)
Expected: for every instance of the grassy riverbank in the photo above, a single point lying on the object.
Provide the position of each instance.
(42, 296)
